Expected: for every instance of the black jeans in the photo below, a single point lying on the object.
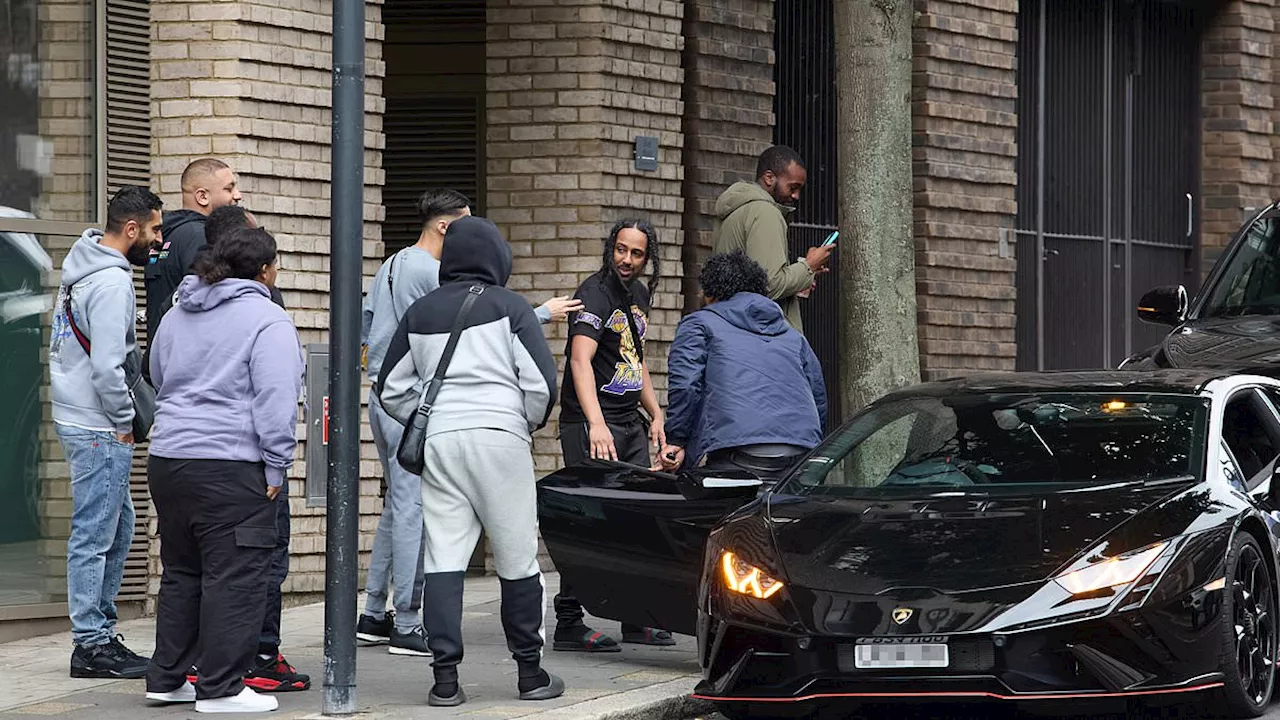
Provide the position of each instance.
(269, 640)
(217, 534)
(631, 440)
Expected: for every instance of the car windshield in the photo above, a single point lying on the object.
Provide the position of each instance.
(1250, 282)
(990, 442)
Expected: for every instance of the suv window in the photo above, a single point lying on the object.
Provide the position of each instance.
(1250, 283)
(1249, 429)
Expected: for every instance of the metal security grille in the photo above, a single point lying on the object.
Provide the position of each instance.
(128, 162)
(431, 142)
(1108, 147)
(805, 107)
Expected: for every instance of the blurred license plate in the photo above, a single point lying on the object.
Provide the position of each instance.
(900, 655)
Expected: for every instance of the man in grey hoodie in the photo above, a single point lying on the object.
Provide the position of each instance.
(93, 416)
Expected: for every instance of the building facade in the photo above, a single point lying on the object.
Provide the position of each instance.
(1066, 157)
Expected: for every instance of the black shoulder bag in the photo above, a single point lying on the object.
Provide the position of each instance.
(413, 442)
(141, 393)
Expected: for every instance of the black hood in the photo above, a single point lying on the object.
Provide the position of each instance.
(1216, 342)
(174, 219)
(474, 250)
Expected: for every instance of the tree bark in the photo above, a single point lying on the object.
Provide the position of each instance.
(878, 346)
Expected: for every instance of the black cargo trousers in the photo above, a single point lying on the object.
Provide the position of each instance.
(217, 535)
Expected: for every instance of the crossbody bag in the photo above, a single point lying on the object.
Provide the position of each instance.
(141, 394)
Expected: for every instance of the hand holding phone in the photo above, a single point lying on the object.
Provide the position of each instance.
(831, 239)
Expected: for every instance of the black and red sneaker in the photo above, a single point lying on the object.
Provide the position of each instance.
(276, 675)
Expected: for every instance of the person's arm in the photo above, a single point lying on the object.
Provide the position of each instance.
(399, 385)
(275, 371)
(109, 315)
(766, 243)
(649, 401)
(535, 368)
(686, 372)
(582, 349)
(813, 370)
(557, 308)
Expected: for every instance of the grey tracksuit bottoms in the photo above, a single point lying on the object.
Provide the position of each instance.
(400, 539)
(481, 479)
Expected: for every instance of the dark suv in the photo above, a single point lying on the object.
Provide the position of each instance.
(1234, 320)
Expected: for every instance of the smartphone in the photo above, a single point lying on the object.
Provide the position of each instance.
(831, 238)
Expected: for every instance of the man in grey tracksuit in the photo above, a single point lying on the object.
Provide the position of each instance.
(499, 387)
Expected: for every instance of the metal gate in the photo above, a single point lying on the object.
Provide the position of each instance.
(1108, 171)
(805, 107)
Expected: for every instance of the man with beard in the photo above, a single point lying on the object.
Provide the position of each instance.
(207, 184)
(606, 381)
(750, 216)
(92, 338)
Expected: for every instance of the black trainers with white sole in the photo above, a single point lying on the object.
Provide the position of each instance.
(413, 643)
(375, 632)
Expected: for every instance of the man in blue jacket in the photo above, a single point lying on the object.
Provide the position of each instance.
(745, 389)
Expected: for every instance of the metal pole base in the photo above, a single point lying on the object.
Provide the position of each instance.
(339, 700)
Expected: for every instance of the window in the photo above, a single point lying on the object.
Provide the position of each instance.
(1250, 283)
(1249, 428)
(988, 442)
(47, 138)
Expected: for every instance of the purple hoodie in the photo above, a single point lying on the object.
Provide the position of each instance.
(227, 366)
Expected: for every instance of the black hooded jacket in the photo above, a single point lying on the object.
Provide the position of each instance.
(502, 375)
(181, 237)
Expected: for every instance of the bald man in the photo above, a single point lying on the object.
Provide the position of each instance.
(207, 184)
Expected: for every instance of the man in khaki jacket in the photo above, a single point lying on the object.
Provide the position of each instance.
(751, 217)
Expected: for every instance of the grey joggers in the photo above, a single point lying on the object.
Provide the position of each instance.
(474, 480)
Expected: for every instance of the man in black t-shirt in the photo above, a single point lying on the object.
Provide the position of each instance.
(606, 382)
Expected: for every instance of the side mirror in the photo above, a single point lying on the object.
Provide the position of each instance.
(1165, 305)
(702, 484)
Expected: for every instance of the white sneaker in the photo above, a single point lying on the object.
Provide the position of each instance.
(247, 701)
(184, 694)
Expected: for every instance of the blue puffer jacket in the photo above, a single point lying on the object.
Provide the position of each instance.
(740, 375)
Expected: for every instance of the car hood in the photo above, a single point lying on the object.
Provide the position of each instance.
(966, 543)
(1216, 341)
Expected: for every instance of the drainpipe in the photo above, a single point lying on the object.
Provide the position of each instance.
(346, 258)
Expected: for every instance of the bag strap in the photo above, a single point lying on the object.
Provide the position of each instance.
(391, 272)
(71, 320)
(635, 333)
(433, 388)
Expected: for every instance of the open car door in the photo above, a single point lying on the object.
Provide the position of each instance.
(629, 541)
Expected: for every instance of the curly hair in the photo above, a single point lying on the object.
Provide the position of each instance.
(653, 251)
(241, 255)
(728, 274)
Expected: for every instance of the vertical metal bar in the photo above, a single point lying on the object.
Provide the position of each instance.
(346, 258)
(99, 194)
(1134, 69)
(1040, 114)
(1108, 59)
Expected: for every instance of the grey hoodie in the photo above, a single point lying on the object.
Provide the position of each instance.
(91, 392)
(227, 367)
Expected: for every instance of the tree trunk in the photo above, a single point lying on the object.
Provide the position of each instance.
(878, 347)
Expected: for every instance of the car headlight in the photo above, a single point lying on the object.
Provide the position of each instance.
(741, 577)
(1118, 570)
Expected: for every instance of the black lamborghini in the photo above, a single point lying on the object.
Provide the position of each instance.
(1025, 537)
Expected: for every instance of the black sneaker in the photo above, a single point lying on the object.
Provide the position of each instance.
(413, 643)
(376, 632)
(118, 643)
(275, 674)
(108, 661)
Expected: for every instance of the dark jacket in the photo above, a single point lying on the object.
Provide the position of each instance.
(738, 374)
(181, 237)
(502, 375)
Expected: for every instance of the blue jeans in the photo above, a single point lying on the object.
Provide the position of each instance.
(101, 530)
(400, 540)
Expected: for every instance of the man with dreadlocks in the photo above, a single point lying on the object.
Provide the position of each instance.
(606, 381)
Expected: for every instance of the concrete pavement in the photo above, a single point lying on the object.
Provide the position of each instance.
(639, 682)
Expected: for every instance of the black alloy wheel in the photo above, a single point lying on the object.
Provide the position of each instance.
(1249, 624)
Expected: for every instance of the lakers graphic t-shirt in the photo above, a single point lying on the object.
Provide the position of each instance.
(616, 317)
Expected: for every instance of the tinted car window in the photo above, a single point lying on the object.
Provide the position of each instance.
(975, 442)
(1249, 430)
(1250, 282)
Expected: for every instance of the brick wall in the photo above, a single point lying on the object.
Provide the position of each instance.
(249, 82)
(570, 85)
(963, 98)
(728, 120)
(66, 110)
(1237, 105)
